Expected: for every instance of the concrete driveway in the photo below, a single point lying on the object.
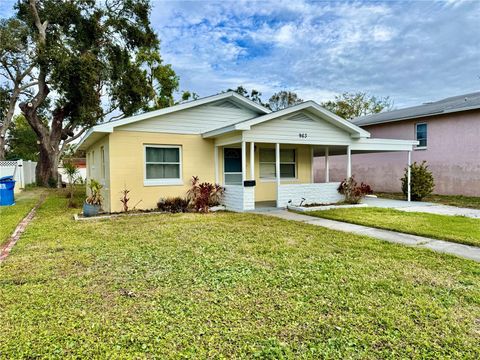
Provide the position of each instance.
(426, 207)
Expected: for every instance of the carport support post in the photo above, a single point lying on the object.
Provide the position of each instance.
(409, 177)
(244, 161)
(277, 168)
(349, 162)
(327, 166)
(252, 161)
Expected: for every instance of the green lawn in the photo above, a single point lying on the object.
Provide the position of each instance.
(10, 216)
(472, 202)
(228, 286)
(452, 228)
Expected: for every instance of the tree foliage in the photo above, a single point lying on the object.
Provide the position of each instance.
(21, 140)
(254, 95)
(16, 64)
(352, 105)
(283, 99)
(92, 59)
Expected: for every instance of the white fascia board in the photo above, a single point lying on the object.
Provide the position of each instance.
(83, 143)
(383, 145)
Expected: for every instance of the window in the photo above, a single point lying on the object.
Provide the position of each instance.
(421, 135)
(232, 162)
(163, 165)
(287, 163)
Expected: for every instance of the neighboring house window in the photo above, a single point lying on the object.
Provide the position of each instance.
(287, 163)
(102, 162)
(421, 134)
(163, 165)
(232, 162)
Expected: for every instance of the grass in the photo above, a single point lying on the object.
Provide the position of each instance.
(472, 202)
(452, 228)
(228, 285)
(10, 216)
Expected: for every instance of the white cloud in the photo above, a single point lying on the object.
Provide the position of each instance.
(413, 52)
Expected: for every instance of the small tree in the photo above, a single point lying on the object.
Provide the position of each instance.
(422, 183)
(73, 174)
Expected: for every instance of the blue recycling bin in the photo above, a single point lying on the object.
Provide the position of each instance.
(7, 184)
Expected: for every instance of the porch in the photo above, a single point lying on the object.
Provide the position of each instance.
(248, 171)
(271, 158)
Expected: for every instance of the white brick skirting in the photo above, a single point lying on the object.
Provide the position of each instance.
(239, 198)
(323, 193)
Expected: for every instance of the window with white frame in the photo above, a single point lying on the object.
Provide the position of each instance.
(288, 165)
(163, 165)
(232, 165)
(421, 134)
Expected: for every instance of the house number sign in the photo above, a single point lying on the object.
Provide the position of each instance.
(302, 135)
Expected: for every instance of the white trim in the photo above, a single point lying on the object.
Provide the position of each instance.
(426, 135)
(277, 168)
(327, 165)
(252, 161)
(409, 177)
(167, 181)
(349, 162)
(244, 161)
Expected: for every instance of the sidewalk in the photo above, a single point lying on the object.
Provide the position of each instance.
(465, 251)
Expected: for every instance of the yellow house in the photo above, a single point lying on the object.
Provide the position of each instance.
(230, 140)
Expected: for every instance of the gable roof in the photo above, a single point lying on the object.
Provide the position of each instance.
(445, 106)
(98, 131)
(310, 105)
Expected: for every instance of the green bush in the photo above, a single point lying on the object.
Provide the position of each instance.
(422, 183)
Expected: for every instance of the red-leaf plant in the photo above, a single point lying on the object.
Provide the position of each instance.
(352, 191)
(204, 195)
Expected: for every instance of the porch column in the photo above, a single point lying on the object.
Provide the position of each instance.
(244, 161)
(252, 160)
(327, 166)
(349, 162)
(277, 167)
(215, 161)
(312, 160)
(409, 177)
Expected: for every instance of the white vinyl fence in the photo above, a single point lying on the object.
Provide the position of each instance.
(25, 174)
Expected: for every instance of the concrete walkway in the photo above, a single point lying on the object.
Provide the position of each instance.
(420, 206)
(465, 251)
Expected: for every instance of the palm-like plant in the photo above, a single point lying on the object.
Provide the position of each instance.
(73, 175)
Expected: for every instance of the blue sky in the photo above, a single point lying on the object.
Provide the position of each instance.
(411, 51)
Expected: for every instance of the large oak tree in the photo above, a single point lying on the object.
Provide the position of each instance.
(92, 59)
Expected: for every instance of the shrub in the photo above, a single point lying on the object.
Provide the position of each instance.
(173, 204)
(95, 197)
(73, 174)
(204, 195)
(352, 191)
(422, 183)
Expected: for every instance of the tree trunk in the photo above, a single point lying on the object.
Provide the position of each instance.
(2, 147)
(47, 166)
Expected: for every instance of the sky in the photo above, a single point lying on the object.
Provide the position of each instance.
(413, 52)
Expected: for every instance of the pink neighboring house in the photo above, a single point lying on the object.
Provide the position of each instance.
(449, 134)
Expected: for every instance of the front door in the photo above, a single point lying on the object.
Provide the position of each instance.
(232, 166)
